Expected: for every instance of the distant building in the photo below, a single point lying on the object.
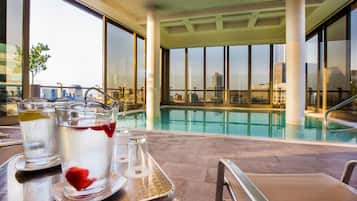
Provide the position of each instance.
(193, 98)
(178, 98)
(279, 74)
(217, 84)
(279, 84)
(76, 92)
(49, 93)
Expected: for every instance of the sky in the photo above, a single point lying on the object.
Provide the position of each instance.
(75, 41)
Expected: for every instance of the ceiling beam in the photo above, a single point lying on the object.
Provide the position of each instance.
(188, 25)
(231, 9)
(237, 37)
(253, 20)
(219, 23)
(171, 23)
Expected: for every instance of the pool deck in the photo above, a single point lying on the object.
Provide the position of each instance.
(191, 160)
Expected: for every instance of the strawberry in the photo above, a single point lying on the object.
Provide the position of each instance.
(109, 129)
(78, 178)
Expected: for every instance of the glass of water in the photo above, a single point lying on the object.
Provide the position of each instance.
(39, 131)
(86, 132)
(138, 156)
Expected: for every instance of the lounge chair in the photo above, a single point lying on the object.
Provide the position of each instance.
(283, 187)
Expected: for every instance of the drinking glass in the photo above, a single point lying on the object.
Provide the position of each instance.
(39, 131)
(86, 132)
(121, 138)
(121, 147)
(138, 156)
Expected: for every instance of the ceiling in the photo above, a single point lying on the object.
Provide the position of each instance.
(190, 23)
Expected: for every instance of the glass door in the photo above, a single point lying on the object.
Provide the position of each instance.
(11, 49)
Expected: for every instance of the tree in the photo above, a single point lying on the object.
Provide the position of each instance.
(38, 59)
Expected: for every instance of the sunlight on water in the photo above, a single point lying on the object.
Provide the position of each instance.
(270, 124)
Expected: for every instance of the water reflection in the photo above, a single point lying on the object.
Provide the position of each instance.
(269, 124)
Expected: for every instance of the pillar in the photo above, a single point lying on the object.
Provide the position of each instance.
(153, 68)
(295, 61)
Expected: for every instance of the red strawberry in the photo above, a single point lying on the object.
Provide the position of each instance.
(109, 129)
(78, 178)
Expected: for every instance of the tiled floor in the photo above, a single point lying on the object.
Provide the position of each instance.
(191, 161)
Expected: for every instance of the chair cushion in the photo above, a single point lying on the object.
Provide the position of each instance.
(299, 187)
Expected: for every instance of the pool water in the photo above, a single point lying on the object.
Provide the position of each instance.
(268, 124)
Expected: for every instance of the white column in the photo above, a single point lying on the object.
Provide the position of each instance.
(295, 61)
(153, 68)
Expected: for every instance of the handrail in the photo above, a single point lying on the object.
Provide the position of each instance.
(115, 100)
(336, 107)
(348, 170)
(252, 191)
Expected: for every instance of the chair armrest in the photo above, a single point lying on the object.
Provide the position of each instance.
(348, 170)
(253, 193)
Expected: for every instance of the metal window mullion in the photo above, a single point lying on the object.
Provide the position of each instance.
(135, 66)
(319, 39)
(25, 49)
(249, 74)
(228, 77)
(348, 46)
(224, 76)
(145, 63)
(325, 93)
(166, 69)
(204, 74)
(306, 87)
(271, 65)
(186, 76)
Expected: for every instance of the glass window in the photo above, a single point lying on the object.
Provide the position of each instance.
(140, 70)
(312, 70)
(120, 72)
(177, 75)
(10, 57)
(195, 75)
(214, 75)
(260, 74)
(338, 78)
(279, 74)
(322, 64)
(354, 49)
(74, 37)
(238, 74)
